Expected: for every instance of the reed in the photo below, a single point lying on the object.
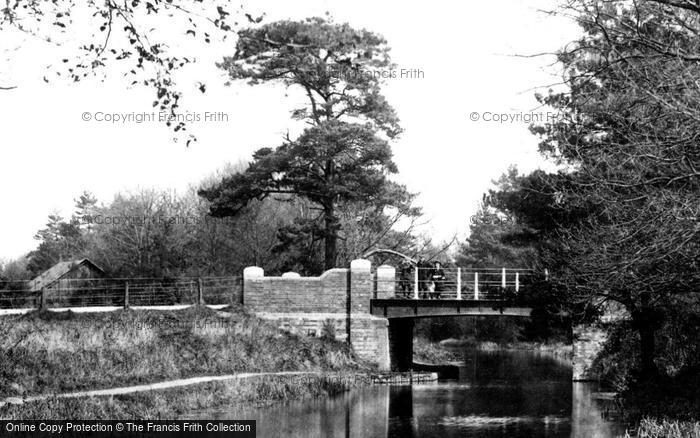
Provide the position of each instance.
(196, 401)
(653, 428)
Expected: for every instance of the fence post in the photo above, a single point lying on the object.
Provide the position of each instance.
(459, 283)
(415, 284)
(240, 299)
(42, 300)
(200, 297)
(503, 278)
(126, 294)
(476, 285)
(517, 282)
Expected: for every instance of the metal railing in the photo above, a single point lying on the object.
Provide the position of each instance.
(456, 283)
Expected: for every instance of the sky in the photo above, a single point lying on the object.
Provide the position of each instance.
(465, 117)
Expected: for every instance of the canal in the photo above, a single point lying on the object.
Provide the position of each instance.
(498, 394)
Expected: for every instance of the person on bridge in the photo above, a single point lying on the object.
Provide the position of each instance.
(425, 283)
(406, 279)
(438, 278)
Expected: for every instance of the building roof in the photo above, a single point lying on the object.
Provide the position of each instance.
(58, 271)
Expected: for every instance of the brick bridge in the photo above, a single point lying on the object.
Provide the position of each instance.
(362, 308)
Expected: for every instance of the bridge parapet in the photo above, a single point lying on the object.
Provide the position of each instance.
(337, 302)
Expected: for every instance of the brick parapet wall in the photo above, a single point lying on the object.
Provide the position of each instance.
(339, 298)
(325, 294)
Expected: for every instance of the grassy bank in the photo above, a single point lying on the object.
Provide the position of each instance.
(62, 352)
(428, 352)
(652, 428)
(189, 402)
(554, 348)
(450, 350)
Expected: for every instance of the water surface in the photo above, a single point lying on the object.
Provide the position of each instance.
(498, 394)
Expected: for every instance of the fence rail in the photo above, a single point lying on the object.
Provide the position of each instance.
(122, 292)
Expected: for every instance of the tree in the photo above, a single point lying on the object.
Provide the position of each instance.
(58, 241)
(497, 237)
(623, 215)
(131, 34)
(343, 157)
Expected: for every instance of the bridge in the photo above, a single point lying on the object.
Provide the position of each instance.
(375, 310)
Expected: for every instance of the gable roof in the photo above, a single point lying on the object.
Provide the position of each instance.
(58, 271)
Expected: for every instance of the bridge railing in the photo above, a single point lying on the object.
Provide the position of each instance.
(457, 283)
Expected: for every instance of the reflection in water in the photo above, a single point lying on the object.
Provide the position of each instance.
(499, 394)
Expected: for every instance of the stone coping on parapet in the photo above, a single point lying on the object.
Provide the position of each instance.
(328, 315)
(288, 277)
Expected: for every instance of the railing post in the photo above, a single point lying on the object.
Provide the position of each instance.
(459, 283)
(476, 285)
(415, 284)
(503, 278)
(517, 282)
(42, 299)
(126, 294)
(200, 297)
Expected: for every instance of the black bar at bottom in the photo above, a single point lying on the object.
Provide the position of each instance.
(127, 428)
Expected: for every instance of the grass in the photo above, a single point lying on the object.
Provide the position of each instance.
(46, 352)
(431, 353)
(187, 402)
(554, 348)
(652, 428)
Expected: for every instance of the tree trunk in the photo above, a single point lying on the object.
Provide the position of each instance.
(330, 239)
(330, 222)
(647, 350)
(646, 321)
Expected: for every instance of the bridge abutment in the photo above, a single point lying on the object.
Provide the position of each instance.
(337, 303)
(588, 342)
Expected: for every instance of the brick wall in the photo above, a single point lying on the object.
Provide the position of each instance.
(325, 294)
(589, 340)
(304, 305)
(588, 343)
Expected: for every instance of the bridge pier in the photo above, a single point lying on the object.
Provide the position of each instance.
(401, 343)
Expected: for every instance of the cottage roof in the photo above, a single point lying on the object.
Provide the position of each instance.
(58, 271)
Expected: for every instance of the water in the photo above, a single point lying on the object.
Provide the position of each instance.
(498, 394)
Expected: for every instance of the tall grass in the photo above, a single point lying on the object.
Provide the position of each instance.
(652, 428)
(48, 352)
(187, 402)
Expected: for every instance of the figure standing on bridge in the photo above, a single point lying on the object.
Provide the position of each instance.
(406, 278)
(438, 278)
(425, 282)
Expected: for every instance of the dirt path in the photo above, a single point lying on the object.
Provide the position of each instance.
(152, 386)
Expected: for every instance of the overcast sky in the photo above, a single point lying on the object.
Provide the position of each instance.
(49, 155)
